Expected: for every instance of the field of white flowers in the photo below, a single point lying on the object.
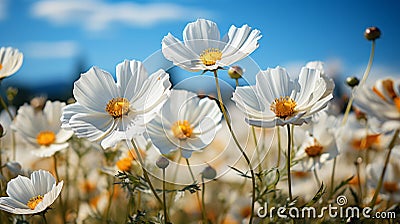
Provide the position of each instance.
(135, 149)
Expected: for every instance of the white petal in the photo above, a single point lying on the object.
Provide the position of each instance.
(42, 181)
(95, 89)
(21, 189)
(175, 51)
(91, 126)
(130, 77)
(201, 35)
(47, 151)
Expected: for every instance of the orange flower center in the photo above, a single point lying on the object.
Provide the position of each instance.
(46, 138)
(33, 202)
(1, 66)
(124, 164)
(390, 186)
(283, 107)
(313, 151)
(367, 142)
(210, 56)
(117, 107)
(182, 129)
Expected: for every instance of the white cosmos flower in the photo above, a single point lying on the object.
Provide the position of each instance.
(278, 100)
(10, 61)
(42, 129)
(185, 122)
(203, 49)
(31, 196)
(382, 101)
(110, 111)
(318, 146)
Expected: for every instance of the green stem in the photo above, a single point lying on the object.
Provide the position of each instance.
(288, 163)
(190, 170)
(203, 205)
(359, 179)
(164, 199)
(279, 146)
(316, 178)
(253, 179)
(194, 181)
(145, 174)
(110, 199)
(349, 104)
(378, 188)
(44, 217)
(253, 130)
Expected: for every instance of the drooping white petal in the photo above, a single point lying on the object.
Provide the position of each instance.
(93, 126)
(21, 189)
(130, 77)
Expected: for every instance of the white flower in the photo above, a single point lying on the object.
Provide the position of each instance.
(203, 49)
(278, 100)
(110, 112)
(186, 122)
(381, 101)
(10, 61)
(31, 196)
(391, 182)
(319, 146)
(42, 129)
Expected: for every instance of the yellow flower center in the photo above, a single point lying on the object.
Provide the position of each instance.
(117, 107)
(210, 56)
(46, 138)
(124, 164)
(33, 202)
(182, 129)
(390, 187)
(283, 107)
(1, 66)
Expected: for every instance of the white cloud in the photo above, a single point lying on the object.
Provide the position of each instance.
(3, 9)
(60, 49)
(98, 14)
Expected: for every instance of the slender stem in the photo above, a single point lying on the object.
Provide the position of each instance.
(55, 167)
(253, 130)
(110, 199)
(203, 204)
(44, 217)
(333, 177)
(237, 82)
(368, 69)
(253, 179)
(378, 188)
(164, 199)
(317, 178)
(359, 178)
(145, 174)
(4, 105)
(288, 163)
(349, 104)
(190, 170)
(194, 180)
(279, 146)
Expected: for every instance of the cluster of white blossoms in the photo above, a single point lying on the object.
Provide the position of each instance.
(141, 122)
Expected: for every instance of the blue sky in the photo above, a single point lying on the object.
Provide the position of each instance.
(55, 35)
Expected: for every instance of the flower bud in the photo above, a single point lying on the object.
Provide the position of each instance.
(372, 33)
(352, 81)
(38, 103)
(209, 173)
(162, 162)
(235, 72)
